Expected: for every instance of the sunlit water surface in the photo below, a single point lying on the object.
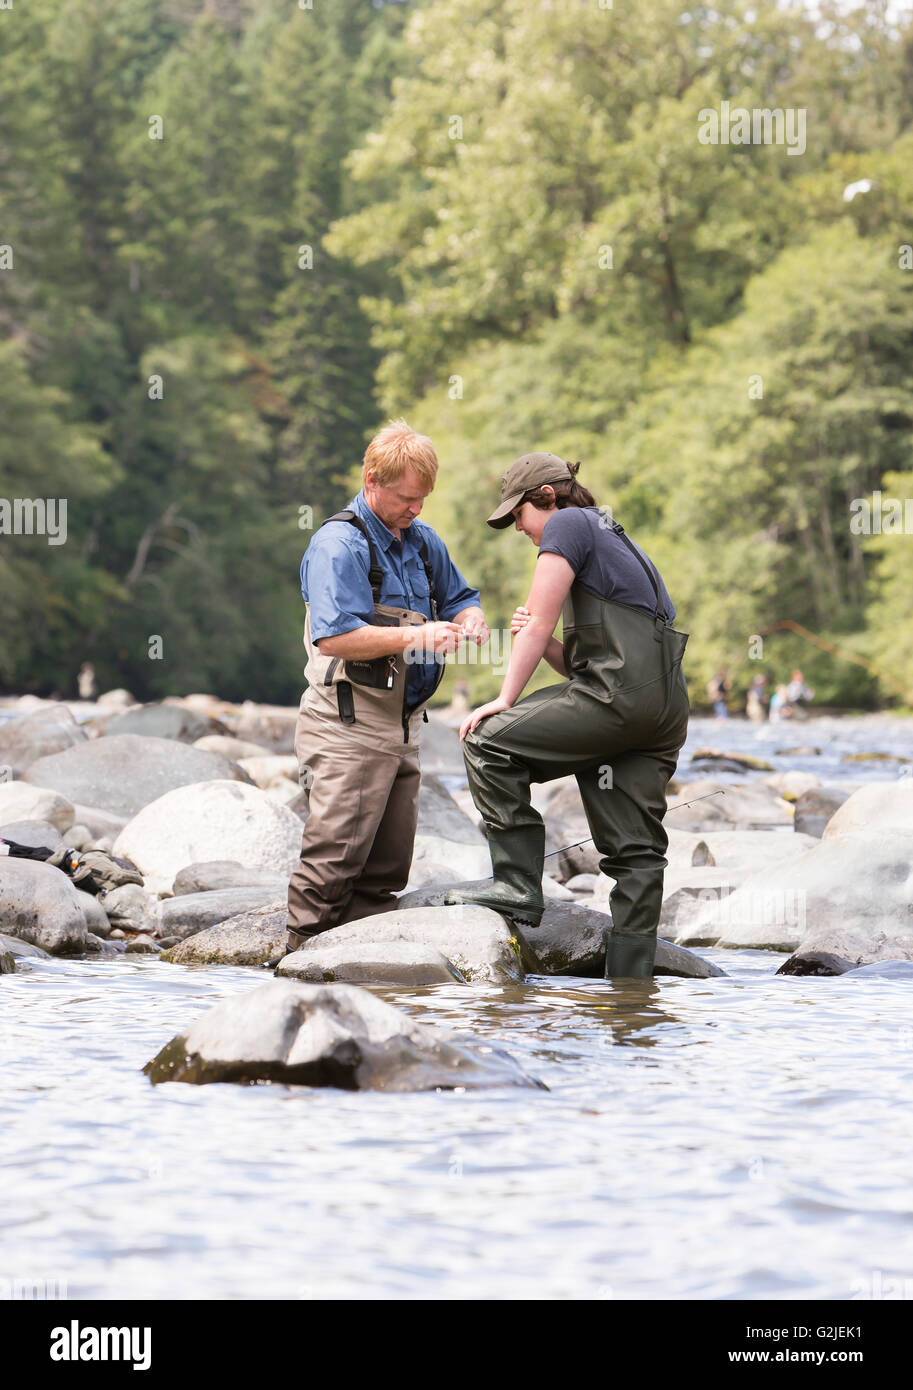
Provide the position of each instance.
(747, 1137)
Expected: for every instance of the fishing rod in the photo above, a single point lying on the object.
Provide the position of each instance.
(680, 807)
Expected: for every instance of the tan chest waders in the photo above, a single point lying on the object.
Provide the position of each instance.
(617, 724)
(357, 745)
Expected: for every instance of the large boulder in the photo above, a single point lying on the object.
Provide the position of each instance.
(266, 768)
(406, 963)
(100, 824)
(270, 726)
(19, 801)
(193, 912)
(258, 937)
(570, 939)
(32, 736)
(849, 897)
(737, 807)
(879, 806)
(476, 941)
(230, 747)
(125, 772)
(39, 904)
(210, 820)
(446, 836)
(442, 752)
(327, 1035)
(165, 721)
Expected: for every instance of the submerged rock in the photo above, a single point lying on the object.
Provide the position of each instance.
(885, 970)
(327, 1035)
(815, 963)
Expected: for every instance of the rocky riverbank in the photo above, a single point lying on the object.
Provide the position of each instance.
(203, 797)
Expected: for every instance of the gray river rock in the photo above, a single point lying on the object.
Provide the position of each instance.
(879, 806)
(251, 938)
(327, 1035)
(125, 772)
(19, 801)
(570, 939)
(476, 941)
(39, 904)
(32, 736)
(850, 896)
(206, 820)
(191, 913)
(409, 963)
(164, 721)
(210, 875)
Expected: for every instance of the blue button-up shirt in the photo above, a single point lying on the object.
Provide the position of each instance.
(334, 582)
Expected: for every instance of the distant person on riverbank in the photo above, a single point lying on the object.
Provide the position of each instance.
(780, 708)
(718, 687)
(799, 694)
(756, 700)
(85, 681)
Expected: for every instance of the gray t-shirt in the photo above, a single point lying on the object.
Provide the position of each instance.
(601, 560)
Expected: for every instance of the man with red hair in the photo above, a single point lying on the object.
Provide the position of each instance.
(385, 604)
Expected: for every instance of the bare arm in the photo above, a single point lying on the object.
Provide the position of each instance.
(554, 651)
(552, 579)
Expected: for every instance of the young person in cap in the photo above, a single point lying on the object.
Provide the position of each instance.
(617, 722)
(385, 603)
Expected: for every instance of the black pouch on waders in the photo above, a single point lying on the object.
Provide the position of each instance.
(380, 672)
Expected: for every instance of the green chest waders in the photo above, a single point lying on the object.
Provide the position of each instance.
(617, 724)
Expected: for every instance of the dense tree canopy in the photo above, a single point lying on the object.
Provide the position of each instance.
(238, 234)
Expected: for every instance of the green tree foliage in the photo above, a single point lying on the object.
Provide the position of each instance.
(494, 218)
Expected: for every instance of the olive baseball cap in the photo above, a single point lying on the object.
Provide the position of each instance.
(526, 472)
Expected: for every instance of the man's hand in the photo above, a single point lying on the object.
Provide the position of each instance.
(434, 638)
(475, 626)
(471, 720)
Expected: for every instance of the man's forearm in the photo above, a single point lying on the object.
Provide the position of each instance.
(365, 643)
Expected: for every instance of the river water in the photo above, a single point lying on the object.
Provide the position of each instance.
(746, 1137)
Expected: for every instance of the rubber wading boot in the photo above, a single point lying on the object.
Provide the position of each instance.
(516, 890)
(629, 957)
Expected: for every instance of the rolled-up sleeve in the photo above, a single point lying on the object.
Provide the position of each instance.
(453, 593)
(334, 582)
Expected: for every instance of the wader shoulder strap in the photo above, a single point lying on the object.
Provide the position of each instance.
(429, 575)
(375, 573)
(660, 616)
